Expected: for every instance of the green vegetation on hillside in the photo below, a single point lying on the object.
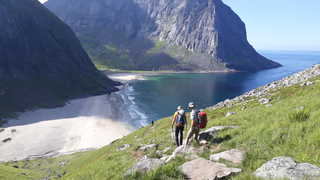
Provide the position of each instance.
(290, 127)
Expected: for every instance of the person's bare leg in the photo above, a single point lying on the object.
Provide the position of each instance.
(196, 137)
(189, 136)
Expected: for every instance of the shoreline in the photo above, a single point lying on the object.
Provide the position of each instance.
(81, 125)
(147, 73)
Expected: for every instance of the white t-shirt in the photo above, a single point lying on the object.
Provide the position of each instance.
(194, 115)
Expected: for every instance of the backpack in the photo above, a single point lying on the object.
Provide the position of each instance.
(202, 119)
(181, 120)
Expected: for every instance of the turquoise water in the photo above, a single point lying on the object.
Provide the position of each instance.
(158, 96)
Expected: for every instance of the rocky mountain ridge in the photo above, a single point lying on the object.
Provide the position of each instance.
(166, 34)
(42, 62)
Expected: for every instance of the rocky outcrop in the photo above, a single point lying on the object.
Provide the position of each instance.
(42, 62)
(162, 34)
(145, 165)
(235, 156)
(264, 92)
(287, 168)
(200, 169)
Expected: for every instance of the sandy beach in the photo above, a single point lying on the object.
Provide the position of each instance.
(82, 124)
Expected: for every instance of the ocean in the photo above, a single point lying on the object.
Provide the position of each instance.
(159, 95)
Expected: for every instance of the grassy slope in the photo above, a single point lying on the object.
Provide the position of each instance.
(265, 132)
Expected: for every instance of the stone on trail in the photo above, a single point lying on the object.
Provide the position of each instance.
(235, 156)
(200, 169)
(145, 165)
(148, 147)
(287, 168)
(188, 151)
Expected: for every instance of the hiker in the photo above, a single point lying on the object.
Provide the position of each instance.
(179, 120)
(194, 128)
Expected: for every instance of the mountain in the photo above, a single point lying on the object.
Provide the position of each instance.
(161, 34)
(42, 62)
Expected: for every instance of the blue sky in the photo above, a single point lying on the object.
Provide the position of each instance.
(280, 24)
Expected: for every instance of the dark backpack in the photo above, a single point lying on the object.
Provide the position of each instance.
(181, 120)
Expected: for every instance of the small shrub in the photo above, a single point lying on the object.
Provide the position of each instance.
(299, 116)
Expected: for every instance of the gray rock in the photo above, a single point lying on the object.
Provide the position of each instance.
(145, 165)
(264, 101)
(235, 156)
(230, 114)
(200, 169)
(286, 167)
(2, 130)
(123, 147)
(209, 133)
(213, 39)
(148, 147)
(188, 151)
(307, 83)
(164, 158)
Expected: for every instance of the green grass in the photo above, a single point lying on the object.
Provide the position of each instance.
(157, 48)
(265, 133)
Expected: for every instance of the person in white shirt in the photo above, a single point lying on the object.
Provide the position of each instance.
(194, 128)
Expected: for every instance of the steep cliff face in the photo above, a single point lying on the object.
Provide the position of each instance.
(160, 34)
(41, 61)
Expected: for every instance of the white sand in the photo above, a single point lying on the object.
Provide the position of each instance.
(125, 77)
(81, 124)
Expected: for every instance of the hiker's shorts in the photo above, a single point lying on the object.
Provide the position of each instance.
(194, 131)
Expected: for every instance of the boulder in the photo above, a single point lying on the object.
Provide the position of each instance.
(1, 130)
(148, 147)
(200, 169)
(123, 147)
(235, 156)
(188, 151)
(287, 168)
(209, 133)
(145, 165)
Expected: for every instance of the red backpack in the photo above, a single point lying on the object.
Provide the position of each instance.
(203, 120)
